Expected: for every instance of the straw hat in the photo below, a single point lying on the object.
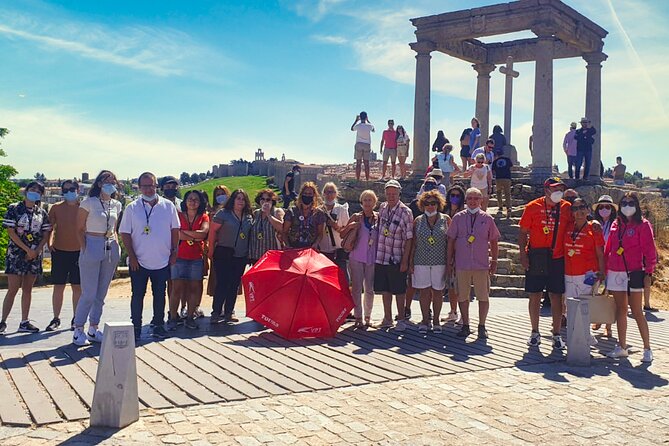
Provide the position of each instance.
(605, 199)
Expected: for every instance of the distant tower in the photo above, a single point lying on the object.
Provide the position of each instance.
(260, 155)
(84, 177)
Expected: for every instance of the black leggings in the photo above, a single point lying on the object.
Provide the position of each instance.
(229, 271)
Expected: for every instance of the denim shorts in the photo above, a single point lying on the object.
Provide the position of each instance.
(187, 270)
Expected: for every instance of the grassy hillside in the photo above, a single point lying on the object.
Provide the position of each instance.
(251, 184)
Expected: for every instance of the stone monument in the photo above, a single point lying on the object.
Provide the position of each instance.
(561, 32)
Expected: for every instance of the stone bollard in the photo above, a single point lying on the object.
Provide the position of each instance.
(578, 332)
(115, 400)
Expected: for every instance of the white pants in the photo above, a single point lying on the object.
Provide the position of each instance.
(362, 274)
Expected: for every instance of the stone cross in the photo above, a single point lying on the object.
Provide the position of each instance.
(509, 73)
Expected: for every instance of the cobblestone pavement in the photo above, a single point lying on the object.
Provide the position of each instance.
(609, 403)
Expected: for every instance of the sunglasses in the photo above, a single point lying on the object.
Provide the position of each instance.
(604, 206)
(628, 203)
(69, 189)
(578, 208)
(430, 203)
(456, 195)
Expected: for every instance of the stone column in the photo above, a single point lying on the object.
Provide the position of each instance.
(421, 117)
(593, 106)
(542, 153)
(483, 97)
(509, 74)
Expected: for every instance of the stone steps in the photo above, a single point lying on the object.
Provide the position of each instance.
(497, 291)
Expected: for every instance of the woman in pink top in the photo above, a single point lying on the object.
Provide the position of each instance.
(630, 254)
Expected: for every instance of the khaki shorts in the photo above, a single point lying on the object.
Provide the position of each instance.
(481, 280)
(362, 151)
(389, 153)
(403, 151)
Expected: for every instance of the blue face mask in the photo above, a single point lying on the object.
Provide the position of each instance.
(221, 199)
(33, 196)
(108, 189)
(70, 196)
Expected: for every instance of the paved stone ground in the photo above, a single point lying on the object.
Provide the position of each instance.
(548, 404)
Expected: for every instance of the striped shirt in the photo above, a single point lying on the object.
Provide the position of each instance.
(263, 234)
(395, 228)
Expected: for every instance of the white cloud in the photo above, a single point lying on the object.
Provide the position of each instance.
(314, 10)
(332, 40)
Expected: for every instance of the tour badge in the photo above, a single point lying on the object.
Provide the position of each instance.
(370, 242)
(301, 218)
(242, 235)
(620, 251)
(571, 253)
(386, 232)
(147, 230)
(260, 236)
(189, 242)
(30, 237)
(546, 230)
(431, 240)
(471, 239)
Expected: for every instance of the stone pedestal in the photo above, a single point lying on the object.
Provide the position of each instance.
(421, 117)
(578, 332)
(542, 148)
(512, 153)
(115, 399)
(483, 98)
(593, 106)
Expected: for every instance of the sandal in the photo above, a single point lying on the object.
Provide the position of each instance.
(422, 329)
(596, 326)
(437, 329)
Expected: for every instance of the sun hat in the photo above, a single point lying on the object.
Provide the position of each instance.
(436, 173)
(605, 199)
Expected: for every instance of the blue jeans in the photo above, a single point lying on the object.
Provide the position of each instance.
(580, 156)
(138, 281)
(571, 163)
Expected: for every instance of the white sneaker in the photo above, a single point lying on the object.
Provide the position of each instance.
(619, 352)
(95, 337)
(558, 342)
(452, 317)
(535, 340)
(647, 355)
(400, 326)
(79, 338)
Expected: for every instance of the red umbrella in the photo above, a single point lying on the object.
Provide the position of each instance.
(298, 293)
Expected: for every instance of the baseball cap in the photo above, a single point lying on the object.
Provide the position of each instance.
(554, 181)
(573, 125)
(169, 179)
(393, 183)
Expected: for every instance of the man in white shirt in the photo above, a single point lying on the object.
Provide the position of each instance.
(150, 232)
(363, 143)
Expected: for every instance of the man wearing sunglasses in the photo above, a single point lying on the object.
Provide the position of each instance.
(64, 246)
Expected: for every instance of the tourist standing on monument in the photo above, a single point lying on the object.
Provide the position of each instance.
(541, 242)
(336, 218)
(499, 139)
(473, 238)
(229, 234)
(501, 167)
(267, 225)
(569, 147)
(392, 254)
(363, 257)
(475, 135)
(150, 233)
(481, 179)
(188, 271)
(455, 202)
(304, 222)
(630, 255)
(28, 228)
(97, 218)
(585, 138)
(465, 148)
(363, 143)
(605, 213)
(389, 142)
(64, 246)
(531, 143)
(439, 141)
(619, 172)
(446, 163)
(288, 190)
(427, 259)
(402, 149)
(220, 196)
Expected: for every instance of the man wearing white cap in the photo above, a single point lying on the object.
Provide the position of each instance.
(392, 254)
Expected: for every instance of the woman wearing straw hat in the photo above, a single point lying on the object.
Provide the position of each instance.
(605, 212)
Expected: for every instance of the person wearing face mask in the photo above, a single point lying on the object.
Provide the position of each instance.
(64, 246)
(541, 240)
(28, 228)
(446, 163)
(303, 224)
(481, 178)
(150, 233)
(427, 260)
(630, 255)
(432, 181)
(455, 202)
(170, 189)
(267, 225)
(473, 235)
(337, 217)
(219, 197)
(97, 216)
(605, 212)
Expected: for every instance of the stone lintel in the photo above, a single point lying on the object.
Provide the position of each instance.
(524, 50)
(469, 51)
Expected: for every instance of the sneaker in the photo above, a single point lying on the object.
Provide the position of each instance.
(53, 325)
(198, 313)
(28, 327)
(385, 323)
(436, 328)
(452, 317)
(159, 332)
(558, 343)
(407, 313)
(534, 340)
(171, 324)
(3, 327)
(231, 318)
(216, 318)
(95, 337)
(422, 329)
(647, 355)
(79, 337)
(138, 336)
(184, 313)
(483, 333)
(400, 326)
(190, 324)
(464, 332)
(618, 352)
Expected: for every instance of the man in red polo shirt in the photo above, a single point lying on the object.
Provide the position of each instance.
(389, 140)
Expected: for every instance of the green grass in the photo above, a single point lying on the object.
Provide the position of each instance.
(251, 184)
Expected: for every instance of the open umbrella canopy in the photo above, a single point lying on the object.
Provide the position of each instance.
(298, 293)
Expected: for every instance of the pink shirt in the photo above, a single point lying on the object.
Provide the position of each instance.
(638, 245)
(389, 139)
(472, 256)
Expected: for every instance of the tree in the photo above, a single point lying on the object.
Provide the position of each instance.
(40, 177)
(202, 177)
(9, 193)
(184, 178)
(194, 178)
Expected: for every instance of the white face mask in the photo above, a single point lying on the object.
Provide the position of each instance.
(474, 210)
(556, 196)
(330, 202)
(430, 214)
(149, 197)
(628, 211)
(605, 213)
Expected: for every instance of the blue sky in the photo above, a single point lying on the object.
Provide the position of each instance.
(171, 86)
